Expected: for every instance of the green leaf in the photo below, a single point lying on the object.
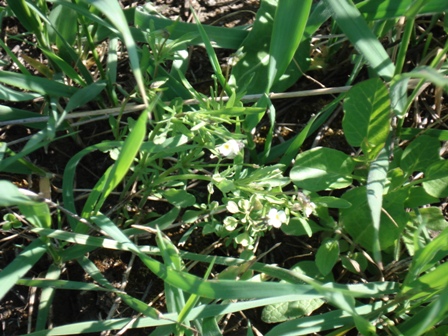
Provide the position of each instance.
(285, 311)
(357, 220)
(419, 197)
(380, 10)
(420, 154)
(432, 218)
(376, 181)
(115, 174)
(11, 195)
(301, 227)
(287, 31)
(85, 95)
(297, 142)
(436, 179)
(20, 265)
(351, 22)
(355, 263)
(10, 95)
(30, 20)
(332, 202)
(250, 74)
(290, 310)
(366, 120)
(327, 255)
(322, 169)
(37, 84)
(220, 37)
(65, 22)
(112, 10)
(38, 214)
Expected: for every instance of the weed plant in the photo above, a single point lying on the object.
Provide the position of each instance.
(188, 162)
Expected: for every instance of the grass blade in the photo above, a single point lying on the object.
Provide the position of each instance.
(46, 298)
(112, 10)
(388, 9)
(352, 23)
(289, 24)
(37, 84)
(220, 37)
(116, 173)
(21, 265)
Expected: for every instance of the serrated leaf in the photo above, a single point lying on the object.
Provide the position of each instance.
(322, 169)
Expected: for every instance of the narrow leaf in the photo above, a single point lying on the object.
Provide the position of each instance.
(352, 23)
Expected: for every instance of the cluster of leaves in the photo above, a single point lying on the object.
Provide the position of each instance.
(387, 191)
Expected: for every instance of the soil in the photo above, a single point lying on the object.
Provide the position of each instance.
(17, 310)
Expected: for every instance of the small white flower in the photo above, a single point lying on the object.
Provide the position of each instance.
(230, 149)
(306, 205)
(309, 208)
(276, 218)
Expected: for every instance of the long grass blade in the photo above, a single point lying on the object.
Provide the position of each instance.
(220, 37)
(116, 173)
(112, 10)
(290, 21)
(21, 265)
(37, 84)
(355, 27)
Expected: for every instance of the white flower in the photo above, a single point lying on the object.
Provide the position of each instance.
(276, 218)
(230, 149)
(309, 208)
(305, 204)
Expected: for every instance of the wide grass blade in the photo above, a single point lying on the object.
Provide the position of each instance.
(90, 242)
(376, 182)
(46, 298)
(37, 84)
(290, 328)
(289, 24)
(11, 195)
(355, 27)
(29, 19)
(428, 316)
(175, 299)
(63, 284)
(220, 37)
(212, 56)
(112, 10)
(388, 9)
(116, 173)
(21, 265)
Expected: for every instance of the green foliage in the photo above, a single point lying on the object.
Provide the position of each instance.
(194, 166)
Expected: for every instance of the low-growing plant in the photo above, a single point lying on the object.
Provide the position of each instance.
(373, 208)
